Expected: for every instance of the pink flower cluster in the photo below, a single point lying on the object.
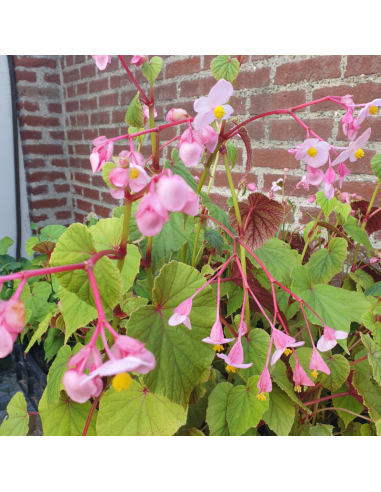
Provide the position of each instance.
(12, 323)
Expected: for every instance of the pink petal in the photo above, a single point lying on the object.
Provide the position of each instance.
(192, 205)
(119, 177)
(201, 105)
(277, 355)
(318, 364)
(264, 383)
(362, 115)
(176, 320)
(325, 345)
(363, 139)
(6, 343)
(185, 308)
(79, 388)
(228, 112)
(94, 160)
(173, 192)
(117, 194)
(190, 153)
(220, 93)
(203, 119)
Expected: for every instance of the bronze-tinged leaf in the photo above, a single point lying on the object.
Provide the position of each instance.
(373, 272)
(45, 248)
(261, 219)
(335, 230)
(374, 222)
(296, 241)
(361, 206)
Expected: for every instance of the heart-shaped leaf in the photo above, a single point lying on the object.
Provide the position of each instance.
(224, 67)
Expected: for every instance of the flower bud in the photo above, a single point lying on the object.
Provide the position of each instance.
(175, 115)
(138, 60)
(118, 177)
(252, 187)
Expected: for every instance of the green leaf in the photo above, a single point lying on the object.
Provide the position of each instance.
(281, 413)
(224, 67)
(194, 433)
(56, 374)
(279, 259)
(42, 328)
(374, 356)
(135, 116)
(52, 344)
(369, 391)
(321, 430)
(368, 430)
(362, 278)
(5, 244)
(326, 263)
(244, 409)
(134, 233)
(343, 209)
(208, 270)
(77, 246)
(151, 70)
(378, 428)
(65, 418)
(328, 206)
(353, 431)
(358, 234)
(130, 304)
(232, 153)
(340, 369)
(235, 301)
(214, 239)
(218, 214)
(374, 291)
(255, 349)
(140, 138)
(17, 423)
(374, 326)
(37, 298)
(106, 170)
(179, 168)
(348, 403)
(31, 242)
(137, 412)
(376, 165)
(217, 410)
(181, 356)
(76, 313)
(279, 376)
(52, 233)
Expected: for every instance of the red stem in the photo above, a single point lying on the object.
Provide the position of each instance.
(90, 416)
(33, 413)
(358, 361)
(133, 80)
(326, 399)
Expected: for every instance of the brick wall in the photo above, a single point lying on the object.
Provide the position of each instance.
(68, 102)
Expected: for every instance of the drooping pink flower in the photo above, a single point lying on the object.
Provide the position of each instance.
(329, 339)
(343, 171)
(181, 315)
(264, 384)
(79, 388)
(282, 342)
(151, 215)
(102, 61)
(12, 322)
(304, 182)
(217, 335)
(311, 199)
(252, 187)
(190, 150)
(354, 151)
(329, 179)
(374, 260)
(138, 60)
(175, 115)
(242, 327)
(119, 177)
(146, 113)
(208, 137)
(317, 363)
(192, 204)
(314, 176)
(345, 198)
(300, 377)
(173, 192)
(314, 152)
(101, 154)
(235, 358)
(370, 109)
(214, 106)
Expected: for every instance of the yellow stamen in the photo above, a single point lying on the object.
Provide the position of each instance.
(261, 397)
(219, 112)
(298, 389)
(359, 154)
(314, 374)
(231, 369)
(218, 348)
(373, 110)
(287, 352)
(121, 382)
(312, 152)
(135, 174)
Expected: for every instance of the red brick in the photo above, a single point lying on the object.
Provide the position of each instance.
(88, 71)
(263, 103)
(260, 57)
(183, 67)
(55, 108)
(32, 107)
(26, 75)
(319, 68)
(82, 120)
(220, 201)
(82, 149)
(69, 60)
(118, 116)
(98, 85)
(108, 100)
(372, 121)
(72, 106)
(63, 215)
(79, 217)
(97, 181)
(128, 96)
(34, 163)
(32, 120)
(52, 78)
(82, 89)
(197, 87)
(291, 130)
(49, 203)
(38, 218)
(71, 91)
(239, 105)
(90, 134)
(80, 59)
(106, 197)
(117, 81)
(90, 194)
(167, 91)
(62, 188)
(362, 188)
(71, 75)
(256, 130)
(100, 118)
(250, 79)
(275, 158)
(363, 64)
(102, 211)
(82, 205)
(38, 190)
(43, 149)
(304, 219)
(57, 135)
(87, 104)
(44, 176)
(34, 62)
(74, 135)
(82, 178)
(30, 135)
(33, 92)
(59, 163)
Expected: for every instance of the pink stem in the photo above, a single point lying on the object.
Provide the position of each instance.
(223, 268)
(43, 271)
(17, 294)
(97, 297)
(308, 326)
(326, 399)
(104, 340)
(111, 330)
(163, 146)
(133, 80)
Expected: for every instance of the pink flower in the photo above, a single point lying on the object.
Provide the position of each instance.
(275, 186)
(329, 179)
(135, 176)
(214, 106)
(181, 315)
(329, 339)
(175, 115)
(354, 151)
(192, 205)
(12, 322)
(217, 335)
(146, 113)
(173, 192)
(314, 152)
(138, 60)
(242, 327)
(304, 182)
(208, 137)
(190, 150)
(311, 199)
(374, 260)
(315, 176)
(79, 388)
(102, 61)
(235, 358)
(264, 383)
(252, 187)
(282, 342)
(151, 215)
(101, 153)
(119, 177)
(345, 197)
(370, 109)
(343, 171)
(318, 364)
(300, 377)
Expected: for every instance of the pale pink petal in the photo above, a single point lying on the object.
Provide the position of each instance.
(264, 383)
(176, 320)
(363, 139)
(277, 355)
(362, 115)
(341, 335)
(79, 387)
(190, 153)
(201, 105)
(118, 177)
(6, 343)
(325, 345)
(94, 160)
(343, 156)
(101, 61)
(185, 308)
(318, 364)
(15, 315)
(220, 93)
(117, 194)
(203, 119)
(173, 192)
(228, 112)
(192, 205)
(187, 323)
